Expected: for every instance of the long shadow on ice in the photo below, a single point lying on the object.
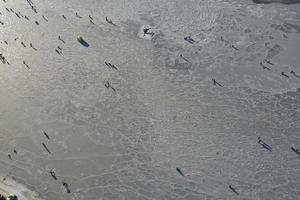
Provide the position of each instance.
(85, 44)
(82, 41)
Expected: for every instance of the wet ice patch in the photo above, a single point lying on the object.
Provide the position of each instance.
(273, 51)
(289, 55)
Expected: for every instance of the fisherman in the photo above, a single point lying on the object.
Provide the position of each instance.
(113, 66)
(184, 58)
(214, 80)
(264, 67)
(36, 22)
(31, 45)
(283, 74)
(216, 83)
(259, 140)
(223, 40)
(82, 41)
(9, 156)
(2, 58)
(64, 16)
(34, 9)
(179, 171)
(57, 51)
(146, 32)
(292, 72)
(45, 18)
(268, 61)
(91, 17)
(107, 84)
(26, 64)
(46, 135)
(92, 22)
(234, 47)
(109, 21)
(23, 44)
(59, 38)
(26, 17)
(52, 173)
(264, 145)
(189, 39)
(78, 15)
(15, 151)
(44, 145)
(233, 189)
(66, 186)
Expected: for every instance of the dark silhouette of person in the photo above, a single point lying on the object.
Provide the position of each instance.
(52, 173)
(234, 47)
(233, 189)
(216, 83)
(66, 186)
(179, 171)
(264, 67)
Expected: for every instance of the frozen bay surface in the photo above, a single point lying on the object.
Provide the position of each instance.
(161, 110)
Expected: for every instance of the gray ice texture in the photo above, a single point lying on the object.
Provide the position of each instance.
(277, 1)
(165, 118)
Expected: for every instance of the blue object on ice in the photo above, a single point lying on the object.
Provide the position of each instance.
(189, 39)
